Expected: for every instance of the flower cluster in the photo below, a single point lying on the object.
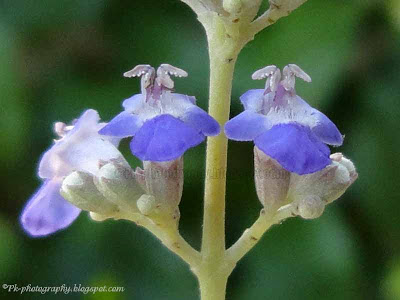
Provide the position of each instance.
(84, 170)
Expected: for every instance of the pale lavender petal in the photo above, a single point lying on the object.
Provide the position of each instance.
(253, 100)
(164, 138)
(133, 103)
(81, 150)
(86, 122)
(201, 121)
(123, 125)
(51, 164)
(174, 104)
(184, 98)
(47, 212)
(246, 126)
(326, 130)
(295, 147)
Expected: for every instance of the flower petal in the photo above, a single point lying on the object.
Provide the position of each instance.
(164, 138)
(123, 125)
(295, 147)
(246, 126)
(80, 151)
(184, 98)
(326, 130)
(133, 103)
(253, 100)
(87, 122)
(201, 121)
(47, 212)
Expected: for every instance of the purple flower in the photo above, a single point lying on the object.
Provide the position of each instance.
(80, 147)
(283, 125)
(163, 124)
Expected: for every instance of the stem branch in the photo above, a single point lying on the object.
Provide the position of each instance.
(252, 235)
(169, 235)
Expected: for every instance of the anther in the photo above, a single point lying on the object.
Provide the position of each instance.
(164, 72)
(273, 75)
(290, 72)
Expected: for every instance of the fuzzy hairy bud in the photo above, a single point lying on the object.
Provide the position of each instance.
(117, 182)
(79, 189)
(310, 207)
(146, 204)
(311, 192)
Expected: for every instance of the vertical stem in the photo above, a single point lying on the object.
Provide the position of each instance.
(213, 287)
(214, 272)
(223, 55)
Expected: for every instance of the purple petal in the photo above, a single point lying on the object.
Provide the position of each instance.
(46, 212)
(295, 147)
(164, 138)
(201, 121)
(123, 125)
(133, 103)
(326, 130)
(253, 100)
(246, 126)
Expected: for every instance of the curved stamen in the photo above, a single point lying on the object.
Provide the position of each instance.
(290, 72)
(61, 129)
(164, 72)
(273, 75)
(147, 73)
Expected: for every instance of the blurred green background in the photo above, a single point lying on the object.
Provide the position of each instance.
(58, 58)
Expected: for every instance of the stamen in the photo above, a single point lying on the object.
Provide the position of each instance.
(59, 129)
(290, 72)
(146, 71)
(164, 72)
(273, 75)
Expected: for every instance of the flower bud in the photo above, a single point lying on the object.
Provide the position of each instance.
(146, 204)
(326, 185)
(272, 181)
(117, 182)
(79, 189)
(164, 181)
(310, 207)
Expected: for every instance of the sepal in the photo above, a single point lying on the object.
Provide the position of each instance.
(272, 181)
(164, 182)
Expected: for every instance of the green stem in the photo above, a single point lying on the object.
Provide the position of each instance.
(169, 235)
(223, 53)
(213, 287)
(252, 235)
(213, 273)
